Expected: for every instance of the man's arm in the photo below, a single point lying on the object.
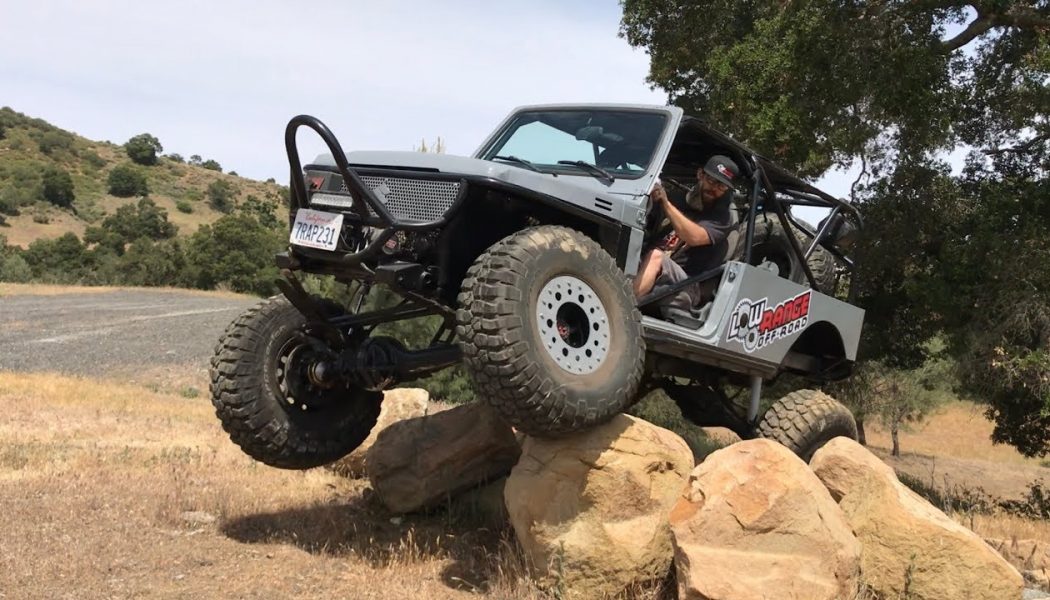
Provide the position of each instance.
(688, 231)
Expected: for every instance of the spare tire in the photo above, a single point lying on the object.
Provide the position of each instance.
(772, 244)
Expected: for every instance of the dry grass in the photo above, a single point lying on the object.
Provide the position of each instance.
(23, 230)
(958, 430)
(44, 289)
(1006, 527)
(114, 490)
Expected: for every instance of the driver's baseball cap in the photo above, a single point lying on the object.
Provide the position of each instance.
(722, 169)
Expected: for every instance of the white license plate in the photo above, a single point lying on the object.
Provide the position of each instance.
(316, 229)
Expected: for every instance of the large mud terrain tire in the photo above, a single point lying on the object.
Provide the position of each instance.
(805, 420)
(266, 402)
(773, 244)
(550, 332)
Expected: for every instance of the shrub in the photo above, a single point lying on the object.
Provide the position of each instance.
(176, 158)
(220, 195)
(212, 165)
(50, 141)
(58, 187)
(184, 206)
(93, 159)
(126, 181)
(15, 269)
(143, 149)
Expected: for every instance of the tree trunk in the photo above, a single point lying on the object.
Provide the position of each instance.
(896, 442)
(861, 436)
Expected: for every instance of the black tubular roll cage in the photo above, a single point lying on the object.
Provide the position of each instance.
(774, 188)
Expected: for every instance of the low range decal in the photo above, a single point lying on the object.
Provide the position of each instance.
(756, 326)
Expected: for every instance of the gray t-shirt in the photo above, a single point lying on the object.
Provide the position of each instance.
(715, 219)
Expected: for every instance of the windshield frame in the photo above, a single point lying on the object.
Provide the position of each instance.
(500, 136)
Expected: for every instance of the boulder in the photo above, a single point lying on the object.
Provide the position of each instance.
(590, 510)
(420, 462)
(754, 522)
(398, 404)
(911, 549)
(1030, 557)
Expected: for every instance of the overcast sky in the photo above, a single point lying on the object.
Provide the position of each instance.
(221, 79)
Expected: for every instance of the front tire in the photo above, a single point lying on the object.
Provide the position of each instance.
(266, 402)
(550, 332)
(805, 420)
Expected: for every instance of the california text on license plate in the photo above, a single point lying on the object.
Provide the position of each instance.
(316, 229)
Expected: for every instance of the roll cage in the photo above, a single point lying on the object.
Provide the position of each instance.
(773, 189)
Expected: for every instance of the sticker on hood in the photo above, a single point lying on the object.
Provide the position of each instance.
(756, 326)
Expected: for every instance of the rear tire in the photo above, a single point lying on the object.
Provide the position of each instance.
(267, 404)
(805, 420)
(550, 332)
(772, 244)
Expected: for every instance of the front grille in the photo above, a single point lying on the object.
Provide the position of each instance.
(408, 200)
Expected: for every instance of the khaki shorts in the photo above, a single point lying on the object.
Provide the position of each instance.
(671, 273)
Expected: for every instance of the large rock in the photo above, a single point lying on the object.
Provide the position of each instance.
(398, 405)
(754, 522)
(590, 511)
(911, 549)
(420, 462)
(1030, 557)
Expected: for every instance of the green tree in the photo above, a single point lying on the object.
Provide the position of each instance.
(125, 180)
(212, 165)
(150, 263)
(235, 252)
(143, 149)
(131, 222)
(221, 195)
(888, 86)
(58, 187)
(15, 269)
(265, 212)
(61, 260)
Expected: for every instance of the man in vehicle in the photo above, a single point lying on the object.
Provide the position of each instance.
(697, 240)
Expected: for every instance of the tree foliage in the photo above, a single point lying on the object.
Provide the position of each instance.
(58, 187)
(132, 222)
(221, 194)
(143, 149)
(125, 180)
(889, 86)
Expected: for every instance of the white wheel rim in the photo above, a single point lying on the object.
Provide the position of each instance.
(573, 325)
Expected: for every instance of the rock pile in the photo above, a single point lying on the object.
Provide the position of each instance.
(620, 505)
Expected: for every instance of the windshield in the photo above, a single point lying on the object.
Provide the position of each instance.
(620, 142)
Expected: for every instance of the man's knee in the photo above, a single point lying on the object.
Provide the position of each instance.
(655, 257)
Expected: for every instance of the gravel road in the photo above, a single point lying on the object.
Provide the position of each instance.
(100, 333)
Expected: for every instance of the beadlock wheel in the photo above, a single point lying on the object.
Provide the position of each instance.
(573, 324)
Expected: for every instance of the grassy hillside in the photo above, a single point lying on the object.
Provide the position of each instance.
(29, 147)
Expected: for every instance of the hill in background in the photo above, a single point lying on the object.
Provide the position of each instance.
(34, 204)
